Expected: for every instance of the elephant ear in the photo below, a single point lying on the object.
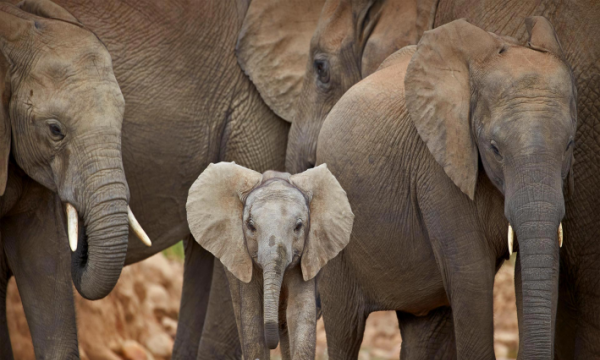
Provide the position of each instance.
(214, 212)
(331, 218)
(16, 29)
(400, 23)
(5, 132)
(438, 96)
(47, 9)
(542, 36)
(273, 48)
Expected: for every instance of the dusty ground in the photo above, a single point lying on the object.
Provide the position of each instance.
(137, 321)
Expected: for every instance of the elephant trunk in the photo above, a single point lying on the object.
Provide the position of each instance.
(102, 240)
(301, 151)
(535, 211)
(273, 273)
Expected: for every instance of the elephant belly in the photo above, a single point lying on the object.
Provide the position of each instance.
(395, 269)
(375, 158)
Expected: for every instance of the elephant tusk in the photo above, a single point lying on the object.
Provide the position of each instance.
(72, 226)
(137, 228)
(511, 239)
(560, 235)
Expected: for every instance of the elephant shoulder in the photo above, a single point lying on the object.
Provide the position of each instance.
(372, 114)
(379, 96)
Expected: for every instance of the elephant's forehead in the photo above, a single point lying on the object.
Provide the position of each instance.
(522, 69)
(276, 197)
(83, 66)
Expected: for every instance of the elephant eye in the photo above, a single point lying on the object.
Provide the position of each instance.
(322, 69)
(250, 225)
(494, 148)
(56, 131)
(298, 226)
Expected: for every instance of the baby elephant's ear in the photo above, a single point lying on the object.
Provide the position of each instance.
(331, 218)
(214, 213)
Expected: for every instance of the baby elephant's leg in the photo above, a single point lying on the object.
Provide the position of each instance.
(248, 309)
(301, 314)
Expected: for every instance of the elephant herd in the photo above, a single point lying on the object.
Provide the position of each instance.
(424, 141)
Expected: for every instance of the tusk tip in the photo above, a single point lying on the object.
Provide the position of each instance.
(146, 241)
(511, 239)
(560, 235)
(137, 228)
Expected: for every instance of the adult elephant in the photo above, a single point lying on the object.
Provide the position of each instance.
(351, 39)
(60, 149)
(188, 104)
(577, 27)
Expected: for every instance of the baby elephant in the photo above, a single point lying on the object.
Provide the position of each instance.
(273, 232)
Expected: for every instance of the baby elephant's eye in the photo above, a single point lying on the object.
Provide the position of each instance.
(250, 225)
(298, 226)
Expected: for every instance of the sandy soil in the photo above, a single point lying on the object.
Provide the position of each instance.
(138, 320)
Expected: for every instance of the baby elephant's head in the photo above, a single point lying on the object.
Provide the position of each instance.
(274, 221)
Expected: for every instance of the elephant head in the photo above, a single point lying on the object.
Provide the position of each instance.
(304, 55)
(477, 99)
(60, 121)
(273, 221)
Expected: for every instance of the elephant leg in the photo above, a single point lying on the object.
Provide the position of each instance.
(567, 319)
(347, 330)
(5, 346)
(577, 317)
(247, 302)
(519, 294)
(38, 254)
(301, 315)
(197, 277)
(344, 312)
(284, 333)
(467, 265)
(427, 337)
(220, 337)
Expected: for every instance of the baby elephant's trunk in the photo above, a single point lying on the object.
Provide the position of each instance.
(273, 277)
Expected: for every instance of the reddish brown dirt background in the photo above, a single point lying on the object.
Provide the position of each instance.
(138, 320)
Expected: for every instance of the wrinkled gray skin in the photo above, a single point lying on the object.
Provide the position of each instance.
(577, 27)
(501, 118)
(188, 104)
(60, 130)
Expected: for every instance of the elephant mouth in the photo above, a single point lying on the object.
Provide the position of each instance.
(97, 243)
(77, 234)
